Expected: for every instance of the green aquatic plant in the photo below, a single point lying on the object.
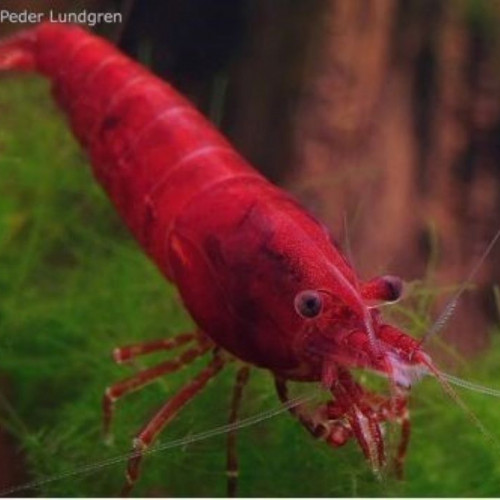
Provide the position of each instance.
(74, 285)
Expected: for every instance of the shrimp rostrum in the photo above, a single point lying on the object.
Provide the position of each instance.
(261, 278)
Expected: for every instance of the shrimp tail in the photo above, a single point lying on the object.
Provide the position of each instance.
(18, 52)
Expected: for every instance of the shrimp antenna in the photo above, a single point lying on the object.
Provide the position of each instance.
(223, 429)
(366, 315)
(450, 308)
(347, 238)
(471, 386)
(442, 378)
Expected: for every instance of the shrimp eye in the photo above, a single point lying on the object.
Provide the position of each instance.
(308, 303)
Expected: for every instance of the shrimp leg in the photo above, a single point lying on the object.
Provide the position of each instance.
(305, 419)
(404, 441)
(232, 456)
(129, 352)
(350, 415)
(164, 415)
(143, 378)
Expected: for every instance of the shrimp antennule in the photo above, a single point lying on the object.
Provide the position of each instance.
(443, 380)
(450, 308)
(471, 386)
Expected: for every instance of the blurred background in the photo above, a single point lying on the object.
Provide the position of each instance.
(381, 116)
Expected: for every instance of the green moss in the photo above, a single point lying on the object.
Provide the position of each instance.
(74, 285)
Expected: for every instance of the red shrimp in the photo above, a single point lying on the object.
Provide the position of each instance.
(262, 279)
